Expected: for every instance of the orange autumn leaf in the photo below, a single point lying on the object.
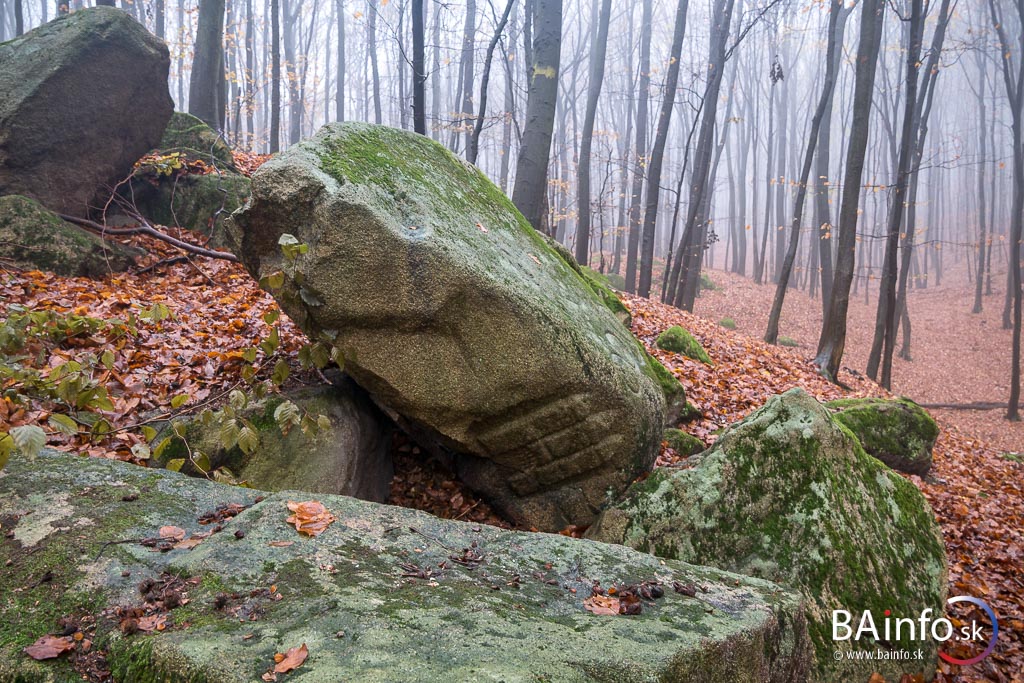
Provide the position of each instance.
(602, 604)
(310, 518)
(291, 660)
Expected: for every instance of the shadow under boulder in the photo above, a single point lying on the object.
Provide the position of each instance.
(347, 454)
(789, 495)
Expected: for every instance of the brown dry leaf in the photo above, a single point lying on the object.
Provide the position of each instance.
(172, 533)
(876, 678)
(281, 544)
(602, 604)
(310, 518)
(192, 541)
(292, 660)
(49, 647)
(154, 622)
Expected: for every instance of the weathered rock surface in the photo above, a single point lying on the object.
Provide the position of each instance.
(898, 432)
(34, 238)
(789, 495)
(188, 135)
(351, 457)
(201, 202)
(457, 317)
(81, 99)
(344, 596)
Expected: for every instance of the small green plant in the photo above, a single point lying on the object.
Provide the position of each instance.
(727, 323)
(788, 341)
(1014, 457)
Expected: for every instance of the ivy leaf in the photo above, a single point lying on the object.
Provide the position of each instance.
(63, 424)
(29, 439)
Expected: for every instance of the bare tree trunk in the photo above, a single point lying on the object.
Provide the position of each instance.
(19, 17)
(478, 127)
(339, 84)
(831, 66)
(371, 47)
(419, 73)
(532, 167)
(275, 77)
(657, 161)
(833, 330)
(983, 153)
(598, 51)
(206, 88)
(640, 149)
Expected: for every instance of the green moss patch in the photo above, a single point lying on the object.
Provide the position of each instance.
(898, 432)
(679, 340)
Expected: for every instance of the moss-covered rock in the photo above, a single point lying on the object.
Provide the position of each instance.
(192, 201)
(898, 432)
(351, 456)
(457, 316)
(34, 238)
(81, 99)
(683, 443)
(600, 286)
(678, 340)
(788, 341)
(789, 495)
(350, 596)
(197, 141)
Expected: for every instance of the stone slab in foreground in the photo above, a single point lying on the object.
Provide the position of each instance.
(463, 623)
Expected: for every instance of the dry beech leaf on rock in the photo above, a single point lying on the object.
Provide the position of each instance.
(154, 622)
(602, 604)
(172, 533)
(290, 660)
(310, 518)
(281, 544)
(192, 541)
(49, 647)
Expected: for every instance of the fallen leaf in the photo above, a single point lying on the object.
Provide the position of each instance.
(602, 604)
(310, 518)
(172, 533)
(280, 544)
(291, 660)
(49, 647)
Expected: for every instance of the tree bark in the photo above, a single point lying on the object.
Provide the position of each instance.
(598, 50)
(275, 76)
(419, 71)
(640, 149)
(832, 341)
(206, 87)
(478, 125)
(532, 167)
(831, 66)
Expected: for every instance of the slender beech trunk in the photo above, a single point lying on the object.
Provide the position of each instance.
(640, 149)
(419, 70)
(474, 139)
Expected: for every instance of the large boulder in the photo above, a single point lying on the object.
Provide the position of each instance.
(384, 594)
(789, 495)
(81, 99)
(898, 432)
(187, 135)
(350, 455)
(33, 238)
(456, 316)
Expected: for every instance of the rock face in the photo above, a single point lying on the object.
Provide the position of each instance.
(81, 99)
(33, 238)
(351, 457)
(899, 432)
(789, 495)
(348, 594)
(166, 193)
(457, 317)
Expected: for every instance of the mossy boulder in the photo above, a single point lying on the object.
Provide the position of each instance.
(34, 238)
(677, 408)
(599, 284)
(683, 443)
(188, 135)
(198, 202)
(351, 456)
(514, 612)
(898, 432)
(678, 340)
(789, 495)
(727, 323)
(81, 99)
(458, 318)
